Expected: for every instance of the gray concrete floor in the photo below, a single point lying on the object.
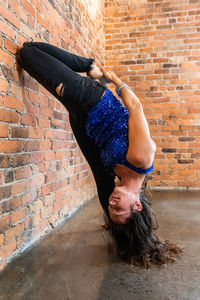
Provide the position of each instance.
(76, 262)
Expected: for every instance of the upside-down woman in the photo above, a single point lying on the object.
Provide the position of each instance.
(115, 139)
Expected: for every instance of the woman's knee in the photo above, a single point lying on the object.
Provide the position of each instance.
(60, 89)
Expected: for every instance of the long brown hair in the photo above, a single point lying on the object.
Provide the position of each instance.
(136, 241)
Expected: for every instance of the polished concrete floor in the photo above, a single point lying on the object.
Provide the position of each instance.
(76, 262)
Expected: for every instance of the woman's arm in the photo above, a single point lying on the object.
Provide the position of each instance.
(141, 148)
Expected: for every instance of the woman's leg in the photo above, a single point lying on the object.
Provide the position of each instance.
(74, 62)
(79, 92)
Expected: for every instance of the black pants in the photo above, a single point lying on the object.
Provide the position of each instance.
(51, 66)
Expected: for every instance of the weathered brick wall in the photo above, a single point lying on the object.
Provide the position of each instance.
(43, 175)
(154, 46)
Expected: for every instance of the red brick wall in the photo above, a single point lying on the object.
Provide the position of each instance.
(43, 175)
(154, 46)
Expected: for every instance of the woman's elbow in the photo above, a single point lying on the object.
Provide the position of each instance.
(143, 159)
(150, 156)
(144, 162)
(139, 160)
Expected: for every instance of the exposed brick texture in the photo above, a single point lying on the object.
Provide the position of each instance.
(154, 46)
(43, 175)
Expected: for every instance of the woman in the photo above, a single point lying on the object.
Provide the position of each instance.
(114, 138)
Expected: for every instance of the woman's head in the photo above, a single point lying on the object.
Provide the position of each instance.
(122, 202)
(135, 240)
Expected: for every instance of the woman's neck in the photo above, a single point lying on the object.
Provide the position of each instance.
(130, 179)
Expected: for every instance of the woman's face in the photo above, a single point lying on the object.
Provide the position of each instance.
(121, 203)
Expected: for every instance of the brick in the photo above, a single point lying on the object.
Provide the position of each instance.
(5, 192)
(36, 206)
(43, 122)
(42, 227)
(1, 179)
(45, 111)
(9, 16)
(185, 161)
(58, 205)
(13, 146)
(31, 146)
(18, 215)
(45, 145)
(3, 85)
(23, 16)
(20, 160)
(19, 132)
(50, 155)
(35, 133)
(29, 197)
(4, 161)
(61, 193)
(43, 22)
(28, 7)
(49, 199)
(37, 180)
(9, 116)
(11, 204)
(37, 5)
(10, 46)
(4, 223)
(19, 174)
(27, 172)
(7, 30)
(8, 176)
(14, 89)
(28, 120)
(20, 187)
(4, 130)
(13, 232)
(46, 212)
(32, 108)
(6, 58)
(26, 30)
(7, 250)
(45, 190)
(13, 102)
(2, 238)
(36, 157)
(9, 73)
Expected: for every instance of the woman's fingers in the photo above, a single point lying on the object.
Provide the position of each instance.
(109, 75)
(105, 73)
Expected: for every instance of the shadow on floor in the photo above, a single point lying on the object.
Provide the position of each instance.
(76, 261)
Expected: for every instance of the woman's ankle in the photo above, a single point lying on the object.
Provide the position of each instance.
(94, 72)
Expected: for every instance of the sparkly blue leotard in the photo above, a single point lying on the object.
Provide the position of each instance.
(107, 125)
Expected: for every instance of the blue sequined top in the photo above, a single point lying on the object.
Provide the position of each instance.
(107, 125)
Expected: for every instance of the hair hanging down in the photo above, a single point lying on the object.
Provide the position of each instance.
(136, 242)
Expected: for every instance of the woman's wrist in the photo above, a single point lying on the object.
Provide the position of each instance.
(117, 82)
(120, 86)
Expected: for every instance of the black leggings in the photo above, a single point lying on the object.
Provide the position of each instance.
(51, 66)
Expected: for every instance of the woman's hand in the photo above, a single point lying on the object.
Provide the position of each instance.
(111, 76)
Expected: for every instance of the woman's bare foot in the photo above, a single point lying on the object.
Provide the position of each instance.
(18, 49)
(19, 64)
(95, 72)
